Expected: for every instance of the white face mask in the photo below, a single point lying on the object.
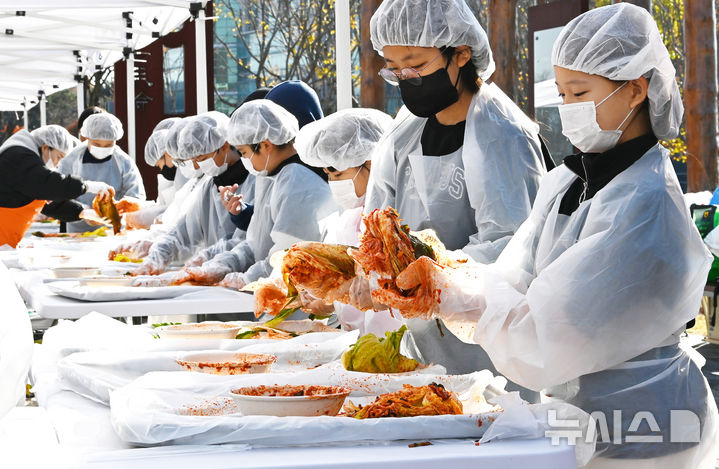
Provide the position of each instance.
(579, 125)
(188, 170)
(209, 168)
(344, 193)
(101, 152)
(247, 163)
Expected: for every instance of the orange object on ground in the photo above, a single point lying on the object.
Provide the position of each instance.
(14, 222)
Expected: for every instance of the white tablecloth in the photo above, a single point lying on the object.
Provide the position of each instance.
(49, 305)
(84, 439)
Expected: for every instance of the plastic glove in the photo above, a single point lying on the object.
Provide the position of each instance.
(196, 261)
(316, 306)
(149, 267)
(128, 204)
(163, 280)
(99, 188)
(230, 200)
(234, 280)
(426, 289)
(91, 216)
(136, 250)
(209, 274)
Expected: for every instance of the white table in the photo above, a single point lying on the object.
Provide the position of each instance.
(83, 438)
(215, 301)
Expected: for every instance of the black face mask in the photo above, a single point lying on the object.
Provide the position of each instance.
(169, 173)
(434, 94)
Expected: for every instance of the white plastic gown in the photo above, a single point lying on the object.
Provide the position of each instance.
(589, 307)
(119, 171)
(223, 245)
(475, 200)
(180, 203)
(288, 207)
(204, 221)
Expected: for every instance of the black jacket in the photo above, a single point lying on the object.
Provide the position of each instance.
(25, 178)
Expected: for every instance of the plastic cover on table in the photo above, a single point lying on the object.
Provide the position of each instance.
(97, 373)
(154, 410)
(554, 419)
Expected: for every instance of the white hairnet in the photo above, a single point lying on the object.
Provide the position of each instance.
(156, 146)
(200, 135)
(621, 42)
(220, 119)
(166, 123)
(102, 126)
(342, 140)
(260, 120)
(432, 23)
(54, 136)
(171, 141)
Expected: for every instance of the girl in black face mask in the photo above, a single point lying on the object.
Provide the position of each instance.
(462, 158)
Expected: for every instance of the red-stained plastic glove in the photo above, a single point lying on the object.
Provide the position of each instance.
(426, 289)
(209, 274)
(162, 280)
(234, 280)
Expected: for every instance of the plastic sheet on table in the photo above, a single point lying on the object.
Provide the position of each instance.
(158, 409)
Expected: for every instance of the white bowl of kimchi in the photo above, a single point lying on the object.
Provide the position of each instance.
(290, 400)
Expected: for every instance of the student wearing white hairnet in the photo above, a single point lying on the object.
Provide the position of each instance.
(462, 158)
(169, 181)
(201, 144)
(99, 158)
(28, 181)
(164, 139)
(289, 198)
(342, 144)
(301, 101)
(589, 298)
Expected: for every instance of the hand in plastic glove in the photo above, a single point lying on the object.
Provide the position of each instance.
(230, 200)
(127, 205)
(234, 280)
(312, 305)
(209, 274)
(91, 216)
(162, 280)
(426, 289)
(99, 188)
(196, 261)
(149, 267)
(136, 250)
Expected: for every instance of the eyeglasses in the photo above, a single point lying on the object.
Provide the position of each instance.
(411, 75)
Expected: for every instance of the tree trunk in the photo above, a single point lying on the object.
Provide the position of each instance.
(502, 37)
(372, 86)
(700, 94)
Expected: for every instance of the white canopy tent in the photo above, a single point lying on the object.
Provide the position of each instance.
(49, 45)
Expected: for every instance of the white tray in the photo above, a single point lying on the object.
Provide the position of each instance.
(119, 293)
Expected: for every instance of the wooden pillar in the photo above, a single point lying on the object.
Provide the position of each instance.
(700, 94)
(502, 38)
(372, 86)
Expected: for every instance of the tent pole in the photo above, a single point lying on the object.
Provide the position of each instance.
(130, 129)
(43, 110)
(80, 98)
(201, 62)
(343, 54)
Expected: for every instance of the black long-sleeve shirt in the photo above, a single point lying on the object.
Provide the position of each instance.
(25, 178)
